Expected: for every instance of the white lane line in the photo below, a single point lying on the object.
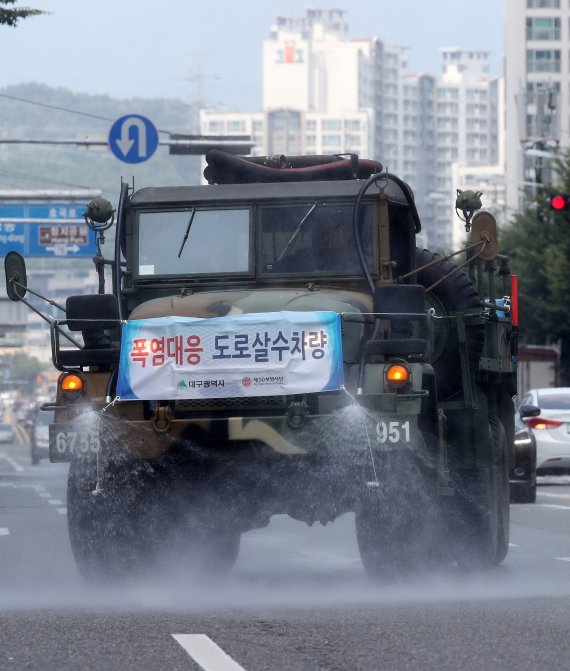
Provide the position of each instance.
(206, 653)
(513, 545)
(552, 495)
(4, 531)
(63, 510)
(563, 558)
(15, 465)
(55, 502)
(44, 495)
(551, 505)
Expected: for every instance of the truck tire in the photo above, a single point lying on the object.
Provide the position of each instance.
(106, 531)
(484, 507)
(396, 523)
(455, 294)
(139, 521)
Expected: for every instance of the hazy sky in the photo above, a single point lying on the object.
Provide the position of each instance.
(212, 50)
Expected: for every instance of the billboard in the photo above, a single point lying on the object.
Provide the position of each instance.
(54, 229)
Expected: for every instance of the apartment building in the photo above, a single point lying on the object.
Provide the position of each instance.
(537, 96)
(324, 92)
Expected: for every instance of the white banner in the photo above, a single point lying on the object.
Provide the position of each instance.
(261, 354)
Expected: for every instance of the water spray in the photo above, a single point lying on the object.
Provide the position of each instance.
(360, 409)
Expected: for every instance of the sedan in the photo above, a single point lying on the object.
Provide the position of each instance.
(6, 433)
(39, 436)
(546, 412)
(522, 475)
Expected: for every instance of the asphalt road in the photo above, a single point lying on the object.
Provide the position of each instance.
(297, 599)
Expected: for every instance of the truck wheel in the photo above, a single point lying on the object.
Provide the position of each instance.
(484, 508)
(455, 294)
(106, 530)
(396, 526)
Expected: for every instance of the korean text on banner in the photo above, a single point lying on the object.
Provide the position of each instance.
(265, 354)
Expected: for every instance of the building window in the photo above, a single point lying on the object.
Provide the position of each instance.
(542, 29)
(543, 60)
(215, 126)
(311, 124)
(331, 139)
(331, 124)
(352, 124)
(236, 126)
(542, 4)
(353, 140)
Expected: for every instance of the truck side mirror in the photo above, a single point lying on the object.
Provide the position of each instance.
(16, 278)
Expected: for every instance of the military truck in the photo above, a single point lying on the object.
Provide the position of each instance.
(274, 342)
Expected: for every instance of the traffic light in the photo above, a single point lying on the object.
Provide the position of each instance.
(559, 202)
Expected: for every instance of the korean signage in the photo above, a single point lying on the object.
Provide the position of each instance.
(45, 229)
(265, 354)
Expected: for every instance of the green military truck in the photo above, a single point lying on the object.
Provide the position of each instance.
(274, 342)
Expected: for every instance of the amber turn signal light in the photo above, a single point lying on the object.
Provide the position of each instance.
(397, 375)
(71, 383)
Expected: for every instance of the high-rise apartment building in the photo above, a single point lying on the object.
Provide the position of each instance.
(468, 100)
(326, 93)
(537, 98)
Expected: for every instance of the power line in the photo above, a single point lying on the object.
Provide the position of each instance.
(54, 107)
(38, 178)
(64, 109)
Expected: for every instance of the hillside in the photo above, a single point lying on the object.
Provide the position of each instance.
(53, 166)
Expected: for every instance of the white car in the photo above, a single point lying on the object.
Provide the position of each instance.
(39, 439)
(547, 413)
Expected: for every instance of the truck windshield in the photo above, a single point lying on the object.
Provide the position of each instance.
(193, 242)
(313, 238)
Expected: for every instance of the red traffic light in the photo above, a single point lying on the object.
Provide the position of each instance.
(559, 201)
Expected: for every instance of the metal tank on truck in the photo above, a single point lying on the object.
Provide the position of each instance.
(274, 342)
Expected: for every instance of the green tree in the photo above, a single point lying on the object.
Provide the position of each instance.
(23, 370)
(538, 244)
(10, 17)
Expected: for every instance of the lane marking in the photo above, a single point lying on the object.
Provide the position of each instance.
(63, 511)
(551, 505)
(15, 465)
(55, 502)
(513, 545)
(563, 558)
(44, 495)
(206, 653)
(4, 531)
(552, 495)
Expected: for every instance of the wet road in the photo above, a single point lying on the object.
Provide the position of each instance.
(297, 599)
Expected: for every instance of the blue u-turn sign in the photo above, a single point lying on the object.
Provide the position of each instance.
(133, 138)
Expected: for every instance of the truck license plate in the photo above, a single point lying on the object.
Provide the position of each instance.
(66, 441)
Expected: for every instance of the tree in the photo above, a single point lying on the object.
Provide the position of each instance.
(538, 244)
(24, 370)
(10, 17)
